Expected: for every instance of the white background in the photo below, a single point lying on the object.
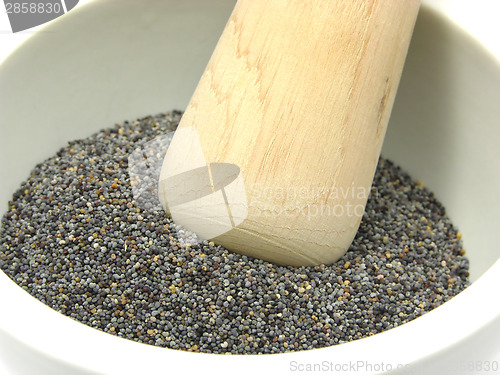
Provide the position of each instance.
(479, 17)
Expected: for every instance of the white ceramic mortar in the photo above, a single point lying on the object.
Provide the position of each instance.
(115, 60)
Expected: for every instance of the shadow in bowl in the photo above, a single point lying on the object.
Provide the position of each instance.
(445, 112)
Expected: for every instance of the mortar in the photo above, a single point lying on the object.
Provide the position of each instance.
(106, 62)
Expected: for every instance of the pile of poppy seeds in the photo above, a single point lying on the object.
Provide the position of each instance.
(75, 238)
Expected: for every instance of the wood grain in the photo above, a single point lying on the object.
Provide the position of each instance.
(298, 94)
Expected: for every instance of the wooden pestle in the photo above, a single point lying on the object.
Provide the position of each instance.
(291, 111)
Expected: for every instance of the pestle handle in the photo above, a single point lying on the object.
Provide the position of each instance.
(296, 96)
